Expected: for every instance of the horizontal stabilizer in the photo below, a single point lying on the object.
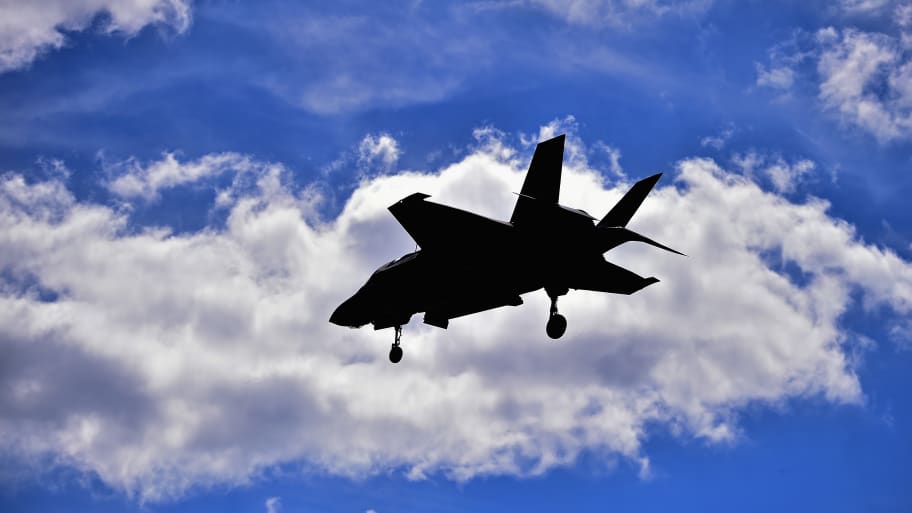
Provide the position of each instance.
(606, 277)
(615, 236)
(621, 213)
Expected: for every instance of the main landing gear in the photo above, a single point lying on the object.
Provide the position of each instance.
(557, 323)
(396, 351)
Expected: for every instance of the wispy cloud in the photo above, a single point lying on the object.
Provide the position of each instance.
(626, 13)
(864, 6)
(867, 78)
(863, 76)
(348, 57)
(273, 505)
(718, 141)
(784, 176)
(29, 29)
(133, 179)
(781, 77)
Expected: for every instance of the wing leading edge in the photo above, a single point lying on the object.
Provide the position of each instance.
(439, 227)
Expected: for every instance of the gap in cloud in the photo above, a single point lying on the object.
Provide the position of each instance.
(776, 261)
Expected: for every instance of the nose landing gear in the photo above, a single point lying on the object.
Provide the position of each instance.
(557, 323)
(396, 352)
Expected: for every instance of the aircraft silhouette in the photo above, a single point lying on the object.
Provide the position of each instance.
(470, 263)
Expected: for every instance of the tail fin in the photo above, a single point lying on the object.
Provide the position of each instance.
(542, 184)
(621, 213)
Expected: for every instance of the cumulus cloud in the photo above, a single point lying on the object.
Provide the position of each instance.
(867, 78)
(159, 362)
(378, 150)
(133, 179)
(782, 175)
(374, 153)
(28, 29)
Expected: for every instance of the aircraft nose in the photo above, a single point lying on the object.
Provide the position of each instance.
(340, 315)
(347, 314)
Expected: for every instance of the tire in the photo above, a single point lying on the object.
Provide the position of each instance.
(556, 326)
(395, 354)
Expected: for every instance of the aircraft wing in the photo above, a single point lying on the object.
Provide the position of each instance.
(603, 276)
(439, 227)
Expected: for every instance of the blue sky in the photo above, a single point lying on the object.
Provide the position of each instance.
(189, 188)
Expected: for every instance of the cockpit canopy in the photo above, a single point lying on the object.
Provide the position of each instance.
(393, 263)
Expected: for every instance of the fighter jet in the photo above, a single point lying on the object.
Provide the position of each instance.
(468, 263)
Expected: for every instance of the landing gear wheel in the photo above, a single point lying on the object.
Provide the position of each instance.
(396, 351)
(557, 325)
(395, 354)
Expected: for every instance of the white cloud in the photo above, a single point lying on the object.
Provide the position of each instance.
(863, 6)
(782, 175)
(273, 505)
(867, 79)
(30, 28)
(614, 159)
(864, 77)
(781, 77)
(718, 141)
(172, 361)
(619, 12)
(378, 150)
(347, 57)
(341, 59)
(132, 179)
(787, 60)
(374, 153)
(903, 14)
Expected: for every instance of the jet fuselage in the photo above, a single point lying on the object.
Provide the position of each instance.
(469, 263)
(515, 263)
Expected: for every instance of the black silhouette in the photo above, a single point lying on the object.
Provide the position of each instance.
(469, 263)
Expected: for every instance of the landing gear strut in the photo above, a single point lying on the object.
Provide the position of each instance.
(396, 351)
(557, 323)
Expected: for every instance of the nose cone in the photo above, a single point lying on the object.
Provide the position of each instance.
(350, 313)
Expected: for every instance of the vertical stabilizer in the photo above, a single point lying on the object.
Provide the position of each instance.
(621, 213)
(542, 184)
